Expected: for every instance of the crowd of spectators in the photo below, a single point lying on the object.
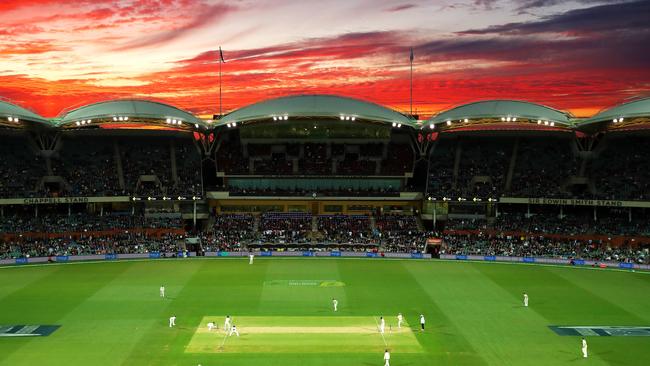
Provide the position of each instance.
(289, 227)
(82, 222)
(344, 228)
(612, 222)
(87, 166)
(622, 170)
(540, 246)
(20, 168)
(124, 243)
(230, 232)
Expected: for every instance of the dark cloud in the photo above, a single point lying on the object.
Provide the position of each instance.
(400, 8)
(603, 18)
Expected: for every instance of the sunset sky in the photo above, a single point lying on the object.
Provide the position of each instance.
(580, 56)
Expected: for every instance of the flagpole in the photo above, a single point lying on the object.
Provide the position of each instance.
(411, 84)
(220, 112)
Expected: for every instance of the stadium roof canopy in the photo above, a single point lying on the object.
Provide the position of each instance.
(315, 106)
(14, 116)
(626, 116)
(130, 112)
(500, 115)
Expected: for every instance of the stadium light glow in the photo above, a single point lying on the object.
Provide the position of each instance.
(615, 120)
(503, 119)
(114, 118)
(126, 118)
(465, 120)
(620, 119)
(552, 124)
(77, 123)
(274, 118)
(545, 123)
(394, 124)
(168, 120)
(507, 119)
(514, 119)
(431, 126)
(286, 117)
(399, 125)
(196, 125)
(11, 119)
(229, 124)
(353, 118)
(448, 123)
(342, 117)
(539, 121)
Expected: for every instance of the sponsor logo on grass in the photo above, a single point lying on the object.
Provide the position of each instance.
(601, 331)
(305, 283)
(27, 330)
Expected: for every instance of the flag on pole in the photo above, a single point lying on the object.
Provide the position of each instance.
(222, 60)
(411, 56)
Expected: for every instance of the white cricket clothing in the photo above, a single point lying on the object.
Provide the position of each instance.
(382, 325)
(399, 320)
(172, 321)
(250, 258)
(584, 348)
(162, 291)
(233, 330)
(525, 300)
(386, 358)
(422, 319)
(336, 304)
(210, 325)
(226, 324)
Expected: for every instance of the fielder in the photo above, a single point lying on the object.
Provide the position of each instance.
(386, 358)
(172, 321)
(525, 299)
(250, 258)
(162, 291)
(422, 321)
(584, 348)
(335, 302)
(226, 324)
(400, 319)
(382, 324)
(210, 326)
(233, 330)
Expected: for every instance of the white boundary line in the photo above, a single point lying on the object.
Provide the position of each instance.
(378, 329)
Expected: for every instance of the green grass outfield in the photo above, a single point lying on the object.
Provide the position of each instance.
(111, 313)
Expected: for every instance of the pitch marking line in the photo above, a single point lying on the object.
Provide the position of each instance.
(382, 334)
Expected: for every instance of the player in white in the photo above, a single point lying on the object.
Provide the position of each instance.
(584, 348)
(386, 358)
(400, 319)
(335, 302)
(525, 299)
(250, 258)
(210, 326)
(226, 324)
(162, 291)
(233, 330)
(422, 321)
(382, 324)
(172, 321)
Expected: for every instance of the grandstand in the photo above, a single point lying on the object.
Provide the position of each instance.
(323, 173)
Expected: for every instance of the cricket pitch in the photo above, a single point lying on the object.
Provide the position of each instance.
(304, 334)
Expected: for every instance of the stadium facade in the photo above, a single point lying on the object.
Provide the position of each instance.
(328, 155)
